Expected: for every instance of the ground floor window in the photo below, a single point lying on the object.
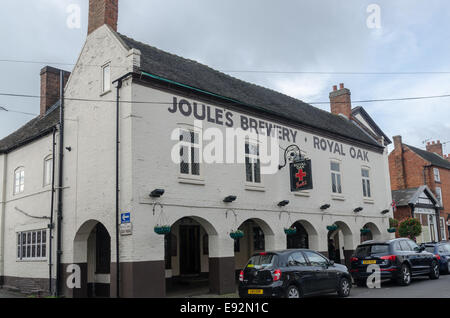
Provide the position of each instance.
(32, 245)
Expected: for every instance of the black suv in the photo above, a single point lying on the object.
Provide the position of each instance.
(293, 274)
(398, 259)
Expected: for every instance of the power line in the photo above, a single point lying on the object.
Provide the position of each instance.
(16, 111)
(251, 71)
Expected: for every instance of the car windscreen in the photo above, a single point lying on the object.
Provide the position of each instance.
(261, 261)
(372, 249)
(429, 249)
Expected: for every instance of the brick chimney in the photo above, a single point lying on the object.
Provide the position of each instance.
(50, 91)
(447, 157)
(103, 12)
(397, 170)
(340, 101)
(435, 147)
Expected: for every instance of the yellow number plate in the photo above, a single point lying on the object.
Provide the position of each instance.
(255, 291)
(369, 262)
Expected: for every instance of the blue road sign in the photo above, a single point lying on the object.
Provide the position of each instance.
(125, 218)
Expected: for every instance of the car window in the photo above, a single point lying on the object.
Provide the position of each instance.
(430, 249)
(405, 246)
(413, 245)
(397, 246)
(296, 258)
(316, 259)
(368, 250)
(262, 260)
(445, 248)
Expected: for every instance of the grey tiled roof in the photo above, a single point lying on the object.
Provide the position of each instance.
(433, 158)
(33, 129)
(194, 74)
(403, 197)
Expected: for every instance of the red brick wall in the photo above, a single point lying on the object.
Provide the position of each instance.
(340, 101)
(50, 91)
(103, 12)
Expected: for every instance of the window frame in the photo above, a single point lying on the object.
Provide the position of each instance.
(25, 245)
(252, 157)
(191, 145)
(20, 187)
(366, 183)
(439, 195)
(103, 89)
(437, 176)
(47, 159)
(442, 229)
(336, 173)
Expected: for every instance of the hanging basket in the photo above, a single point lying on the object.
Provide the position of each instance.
(365, 231)
(162, 229)
(333, 227)
(236, 234)
(290, 231)
(392, 230)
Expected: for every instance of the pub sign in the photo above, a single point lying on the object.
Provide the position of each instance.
(301, 176)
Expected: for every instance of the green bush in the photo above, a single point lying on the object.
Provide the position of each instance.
(410, 228)
(393, 222)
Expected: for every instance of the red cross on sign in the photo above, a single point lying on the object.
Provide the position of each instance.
(300, 175)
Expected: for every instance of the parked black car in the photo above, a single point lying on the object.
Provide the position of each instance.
(442, 252)
(293, 273)
(399, 259)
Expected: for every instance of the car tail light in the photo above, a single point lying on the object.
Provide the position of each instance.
(276, 275)
(438, 257)
(354, 259)
(241, 276)
(391, 258)
(263, 253)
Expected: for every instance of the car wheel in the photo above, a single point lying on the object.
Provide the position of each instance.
(434, 270)
(293, 292)
(405, 276)
(361, 283)
(344, 287)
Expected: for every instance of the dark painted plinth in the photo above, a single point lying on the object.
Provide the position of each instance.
(222, 275)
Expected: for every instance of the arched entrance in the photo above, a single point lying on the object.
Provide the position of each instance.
(256, 233)
(305, 237)
(92, 253)
(340, 243)
(186, 253)
(370, 232)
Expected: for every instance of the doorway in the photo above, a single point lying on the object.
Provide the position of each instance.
(190, 250)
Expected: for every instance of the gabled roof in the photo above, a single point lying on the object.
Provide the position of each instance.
(199, 76)
(360, 110)
(409, 196)
(431, 157)
(35, 128)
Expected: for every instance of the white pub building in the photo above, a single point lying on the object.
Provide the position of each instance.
(70, 213)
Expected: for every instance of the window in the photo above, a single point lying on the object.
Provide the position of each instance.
(296, 259)
(19, 180)
(413, 245)
(48, 170)
(442, 227)
(437, 176)
(189, 152)
(32, 245)
(258, 239)
(106, 78)
(336, 182)
(366, 183)
(405, 246)
(439, 194)
(252, 163)
(315, 259)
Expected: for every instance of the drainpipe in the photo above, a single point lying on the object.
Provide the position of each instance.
(60, 185)
(119, 85)
(50, 226)
(2, 219)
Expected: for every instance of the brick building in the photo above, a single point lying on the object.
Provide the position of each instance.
(411, 168)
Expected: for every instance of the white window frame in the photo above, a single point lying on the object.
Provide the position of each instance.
(336, 174)
(254, 162)
(25, 245)
(19, 180)
(437, 175)
(442, 228)
(439, 195)
(106, 82)
(366, 183)
(48, 171)
(195, 145)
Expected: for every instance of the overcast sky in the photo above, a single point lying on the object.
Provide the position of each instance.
(248, 35)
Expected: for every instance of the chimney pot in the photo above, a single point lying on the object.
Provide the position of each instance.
(334, 88)
(341, 86)
(435, 147)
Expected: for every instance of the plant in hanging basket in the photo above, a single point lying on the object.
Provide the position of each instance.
(290, 231)
(392, 230)
(236, 234)
(162, 229)
(365, 231)
(333, 227)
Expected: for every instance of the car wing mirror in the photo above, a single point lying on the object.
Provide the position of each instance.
(331, 263)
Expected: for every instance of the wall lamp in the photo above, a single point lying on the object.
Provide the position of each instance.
(230, 198)
(385, 211)
(325, 206)
(283, 203)
(357, 210)
(157, 193)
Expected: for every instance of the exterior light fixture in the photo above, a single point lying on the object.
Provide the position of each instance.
(325, 206)
(157, 193)
(229, 199)
(283, 203)
(385, 211)
(357, 210)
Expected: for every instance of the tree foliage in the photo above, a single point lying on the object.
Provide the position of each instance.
(410, 228)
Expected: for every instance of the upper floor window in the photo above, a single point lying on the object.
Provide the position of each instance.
(437, 176)
(106, 78)
(189, 152)
(439, 194)
(366, 182)
(48, 171)
(19, 180)
(252, 163)
(336, 179)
